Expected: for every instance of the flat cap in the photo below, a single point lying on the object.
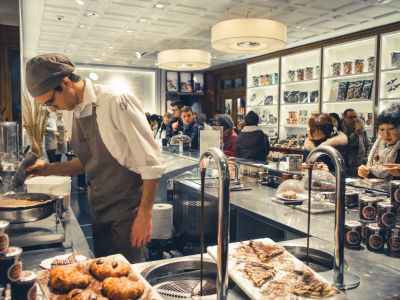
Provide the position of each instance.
(45, 72)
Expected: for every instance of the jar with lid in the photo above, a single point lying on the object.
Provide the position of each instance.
(353, 234)
(375, 238)
(393, 240)
(368, 208)
(386, 215)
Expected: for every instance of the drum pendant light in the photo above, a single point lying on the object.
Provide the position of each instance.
(248, 36)
(183, 59)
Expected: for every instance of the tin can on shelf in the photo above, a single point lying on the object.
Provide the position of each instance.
(25, 287)
(353, 234)
(10, 265)
(364, 225)
(358, 66)
(393, 240)
(371, 64)
(291, 74)
(300, 74)
(4, 238)
(336, 69)
(294, 162)
(386, 215)
(395, 192)
(368, 208)
(375, 238)
(352, 199)
(347, 67)
(309, 73)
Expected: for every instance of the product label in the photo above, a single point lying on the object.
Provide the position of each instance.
(32, 293)
(353, 237)
(4, 243)
(375, 242)
(394, 243)
(396, 195)
(14, 272)
(369, 212)
(388, 219)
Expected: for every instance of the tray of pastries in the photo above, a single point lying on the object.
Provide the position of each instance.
(265, 270)
(110, 277)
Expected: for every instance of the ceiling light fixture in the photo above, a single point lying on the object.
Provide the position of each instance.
(183, 59)
(129, 31)
(142, 20)
(83, 26)
(138, 55)
(90, 14)
(248, 36)
(80, 2)
(110, 47)
(94, 76)
(159, 5)
(383, 1)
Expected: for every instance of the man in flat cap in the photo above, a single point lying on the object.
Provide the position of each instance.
(114, 146)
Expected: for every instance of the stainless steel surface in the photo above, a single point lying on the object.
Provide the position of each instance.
(223, 217)
(29, 214)
(339, 234)
(319, 261)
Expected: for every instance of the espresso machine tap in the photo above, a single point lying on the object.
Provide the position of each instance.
(342, 279)
(223, 215)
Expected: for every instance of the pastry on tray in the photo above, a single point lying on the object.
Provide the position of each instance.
(290, 195)
(79, 294)
(102, 268)
(67, 278)
(122, 288)
(259, 273)
(266, 252)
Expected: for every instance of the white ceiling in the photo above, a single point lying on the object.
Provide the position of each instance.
(181, 24)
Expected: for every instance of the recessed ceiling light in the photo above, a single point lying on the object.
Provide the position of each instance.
(142, 20)
(90, 14)
(158, 5)
(104, 54)
(110, 47)
(300, 27)
(383, 1)
(97, 59)
(80, 2)
(129, 31)
(83, 26)
(138, 55)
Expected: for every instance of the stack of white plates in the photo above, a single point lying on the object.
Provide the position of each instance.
(162, 221)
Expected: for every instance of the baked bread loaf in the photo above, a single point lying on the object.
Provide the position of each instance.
(79, 294)
(102, 268)
(290, 195)
(67, 278)
(122, 288)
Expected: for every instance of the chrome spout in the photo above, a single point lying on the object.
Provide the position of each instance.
(236, 180)
(223, 217)
(343, 280)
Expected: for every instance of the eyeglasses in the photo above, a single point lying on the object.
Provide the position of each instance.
(50, 102)
(351, 117)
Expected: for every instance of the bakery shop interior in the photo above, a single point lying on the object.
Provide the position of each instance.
(215, 149)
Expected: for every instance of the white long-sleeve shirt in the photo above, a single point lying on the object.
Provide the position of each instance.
(123, 128)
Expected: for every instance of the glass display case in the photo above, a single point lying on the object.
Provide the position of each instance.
(299, 92)
(349, 79)
(389, 90)
(262, 93)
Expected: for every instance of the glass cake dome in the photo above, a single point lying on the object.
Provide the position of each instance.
(323, 188)
(291, 189)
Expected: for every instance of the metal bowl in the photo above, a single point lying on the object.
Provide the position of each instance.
(21, 214)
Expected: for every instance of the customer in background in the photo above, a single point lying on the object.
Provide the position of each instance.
(176, 122)
(229, 135)
(384, 158)
(239, 126)
(190, 126)
(50, 139)
(155, 124)
(252, 142)
(357, 145)
(165, 125)
(322, 132)
(61, 136)
(337, 122)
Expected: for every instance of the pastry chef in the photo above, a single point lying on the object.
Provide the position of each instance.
(114, 146)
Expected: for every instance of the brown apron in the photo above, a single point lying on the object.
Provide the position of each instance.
(114, 191)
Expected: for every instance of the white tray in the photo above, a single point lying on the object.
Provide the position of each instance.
(247, 285)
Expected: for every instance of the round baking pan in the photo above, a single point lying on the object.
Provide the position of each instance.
(18, 213)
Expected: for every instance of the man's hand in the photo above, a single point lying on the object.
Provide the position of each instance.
(175, 126)
(393, 169)
(363, 171)
(141, 229)
(40, 168)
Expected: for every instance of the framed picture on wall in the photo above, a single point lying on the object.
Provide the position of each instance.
(186, 85)
(198, 82)
(172, 81)
(228, 106)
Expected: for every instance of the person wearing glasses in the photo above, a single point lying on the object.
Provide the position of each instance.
(357, 146)
(113, 145)
(384, 157)
(176, 125)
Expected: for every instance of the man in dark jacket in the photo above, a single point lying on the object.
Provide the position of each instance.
(176, 125)
(190, 126)
(252, 142)
(357, 145)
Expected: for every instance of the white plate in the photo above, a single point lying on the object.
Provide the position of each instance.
(46, 263)
(300, 197)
